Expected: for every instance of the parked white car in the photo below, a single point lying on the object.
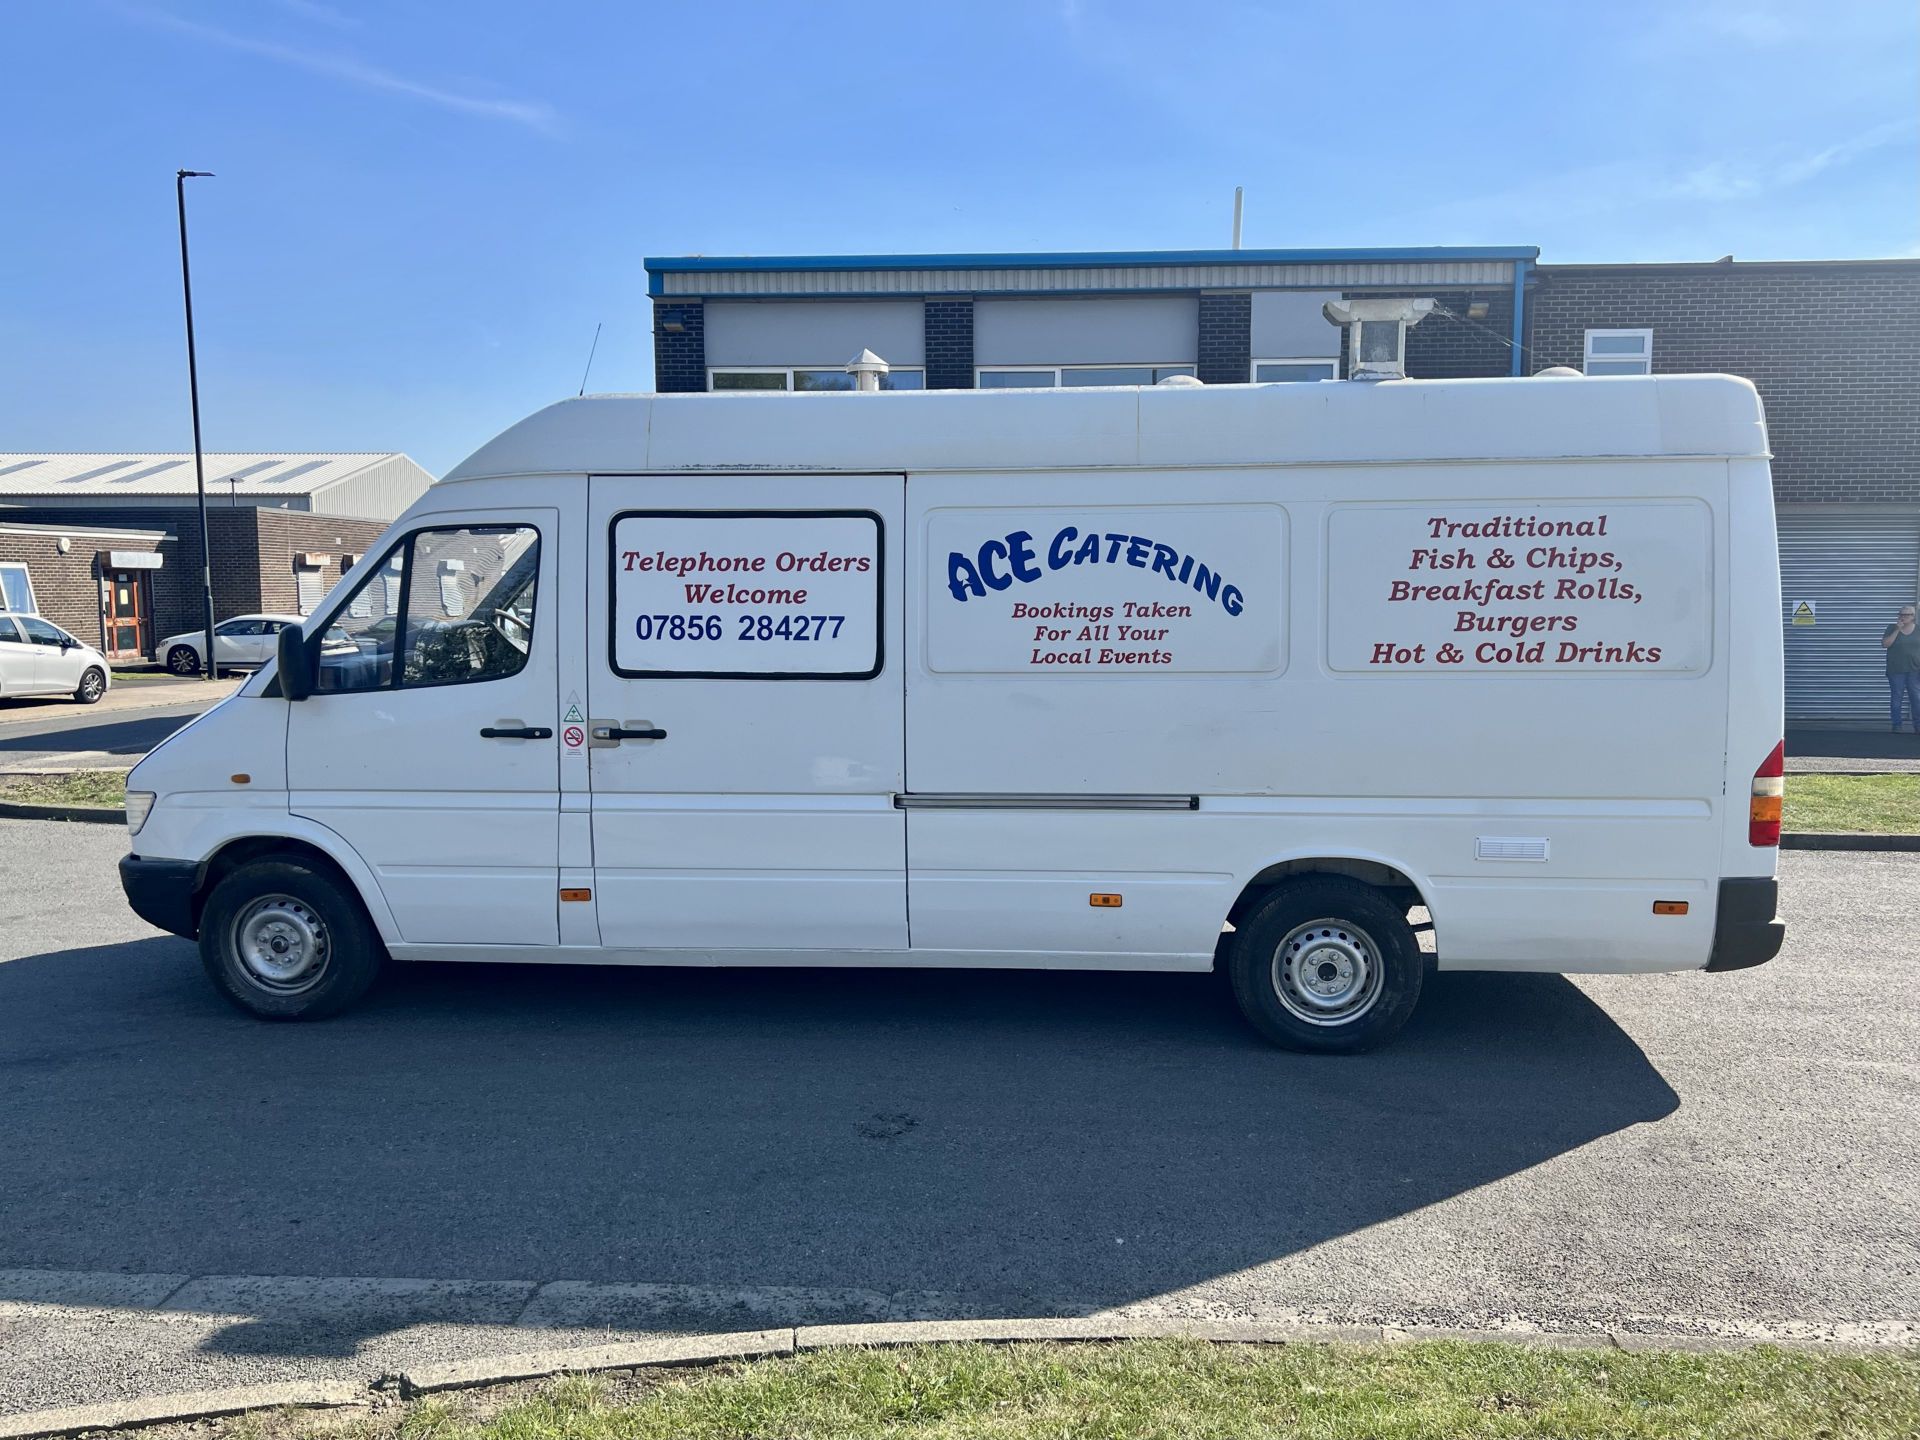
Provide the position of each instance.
(244, 642)
(37, 657)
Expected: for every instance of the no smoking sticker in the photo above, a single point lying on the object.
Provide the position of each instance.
(573, 737)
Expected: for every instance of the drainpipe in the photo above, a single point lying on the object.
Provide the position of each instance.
(1519, 317)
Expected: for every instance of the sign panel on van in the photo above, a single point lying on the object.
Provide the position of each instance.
(745, 594)
(1105, 590)
(1623, 585)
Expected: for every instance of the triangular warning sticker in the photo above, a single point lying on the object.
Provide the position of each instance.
(573, 716)
(1803, 613)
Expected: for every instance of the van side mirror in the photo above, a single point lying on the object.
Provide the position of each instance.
(296, 665)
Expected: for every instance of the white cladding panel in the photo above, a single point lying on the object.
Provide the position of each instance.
(1163, 330)
(1290, 323)
(815, 333)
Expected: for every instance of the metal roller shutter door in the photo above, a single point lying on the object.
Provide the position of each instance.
(1858, 570)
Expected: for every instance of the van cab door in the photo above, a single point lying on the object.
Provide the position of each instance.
(430, 740)
(745, 735)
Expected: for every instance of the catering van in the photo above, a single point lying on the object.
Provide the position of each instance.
(1324, 684)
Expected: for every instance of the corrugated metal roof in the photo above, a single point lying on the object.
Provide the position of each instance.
(25, 473)
(1093, 272)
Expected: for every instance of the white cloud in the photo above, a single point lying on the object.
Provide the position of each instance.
(535, 115)
(1744, 178)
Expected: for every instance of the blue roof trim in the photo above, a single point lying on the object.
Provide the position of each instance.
(658, 265)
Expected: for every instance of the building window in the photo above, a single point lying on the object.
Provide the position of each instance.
(1048, 377)
(16, 589)
(806, 380)
(1619, 352)
(1268, 371)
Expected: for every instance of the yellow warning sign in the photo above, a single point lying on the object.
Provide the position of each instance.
(1803, 613)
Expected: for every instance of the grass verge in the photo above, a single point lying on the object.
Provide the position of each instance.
(1866, 804)
(82, 787)
(1173, 1388)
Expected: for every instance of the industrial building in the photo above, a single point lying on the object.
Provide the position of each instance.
(108, 546)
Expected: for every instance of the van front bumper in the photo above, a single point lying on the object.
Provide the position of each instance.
(1746, 932)
(161, 891)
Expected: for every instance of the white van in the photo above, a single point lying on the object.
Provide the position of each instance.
(1131, 679)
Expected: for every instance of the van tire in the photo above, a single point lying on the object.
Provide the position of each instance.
(288, 940)
(1371, 964)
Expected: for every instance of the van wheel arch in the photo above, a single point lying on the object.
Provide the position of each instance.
(1395, 883)
(235, 853)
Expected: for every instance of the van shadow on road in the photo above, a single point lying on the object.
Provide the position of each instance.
(1032, 1143)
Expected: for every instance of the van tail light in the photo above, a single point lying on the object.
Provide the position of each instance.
(1769, 787)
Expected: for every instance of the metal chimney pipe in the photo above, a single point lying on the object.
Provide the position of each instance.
(1238, 195)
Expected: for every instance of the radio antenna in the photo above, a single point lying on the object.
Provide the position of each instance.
(590, 353)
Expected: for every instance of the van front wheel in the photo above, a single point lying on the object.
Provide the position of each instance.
(284, 940)
(1326, 964)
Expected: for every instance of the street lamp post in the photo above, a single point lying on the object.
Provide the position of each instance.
(180, 179)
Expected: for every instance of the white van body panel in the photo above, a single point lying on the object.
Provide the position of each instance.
(960, 801)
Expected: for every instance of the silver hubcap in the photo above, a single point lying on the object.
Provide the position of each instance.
(1327, 972)
(90, 685)
(184, 661)
(281, 944)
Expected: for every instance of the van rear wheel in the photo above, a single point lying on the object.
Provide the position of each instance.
(285, 940)
(1326, 964)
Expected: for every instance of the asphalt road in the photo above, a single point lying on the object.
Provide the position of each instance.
(86, 738)
(635, 1150)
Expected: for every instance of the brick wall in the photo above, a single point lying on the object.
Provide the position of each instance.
(949, 343)
(253, 550)
(283, 534)
(1834, 350)
(1226, 339)
(679, 360)
(66, 588)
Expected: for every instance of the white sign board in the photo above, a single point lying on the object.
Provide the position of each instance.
(1564, 588)
(747, 594)
(1097, 590)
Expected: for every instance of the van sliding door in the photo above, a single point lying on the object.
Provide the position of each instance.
(744, 712)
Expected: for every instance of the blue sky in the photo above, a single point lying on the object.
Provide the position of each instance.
(422, 210)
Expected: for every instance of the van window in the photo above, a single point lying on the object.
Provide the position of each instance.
(449, 607)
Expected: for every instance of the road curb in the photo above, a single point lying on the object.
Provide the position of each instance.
(690, 1350)
(190, 1405)
(1841, 840)
(631, 1355)
(86, 814)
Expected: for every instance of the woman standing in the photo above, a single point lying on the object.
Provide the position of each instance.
(1902, 644)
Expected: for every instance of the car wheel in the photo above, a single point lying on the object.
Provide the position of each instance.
(1327, 965)
(93, 685)
(288, 940)
(183, 660)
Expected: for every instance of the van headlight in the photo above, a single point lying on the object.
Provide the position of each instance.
(139, 804)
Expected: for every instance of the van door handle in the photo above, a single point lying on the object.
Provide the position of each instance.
(615, 732)
(515, 732)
